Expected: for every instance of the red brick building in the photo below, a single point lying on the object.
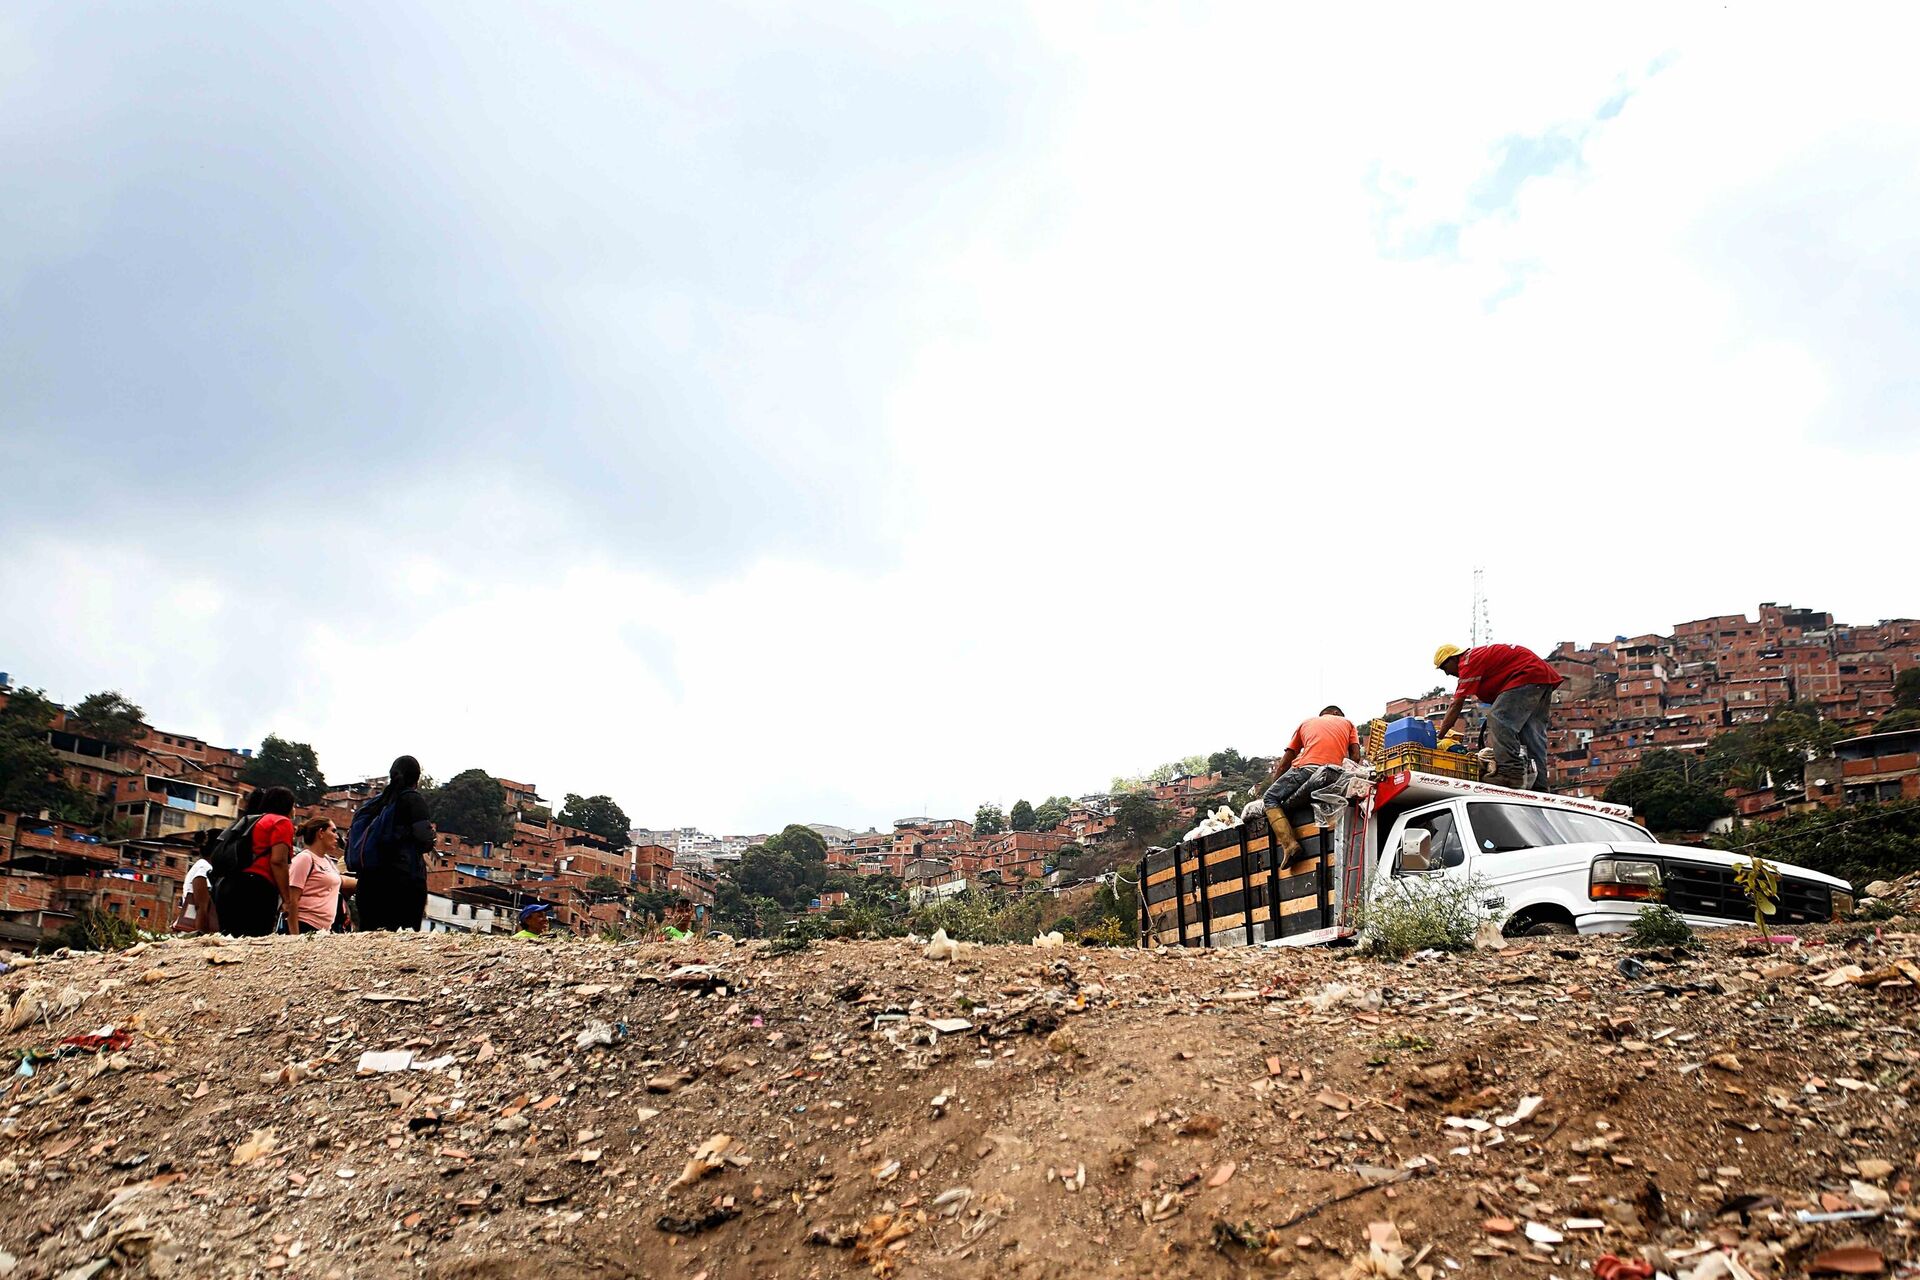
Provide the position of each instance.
(1623, 697)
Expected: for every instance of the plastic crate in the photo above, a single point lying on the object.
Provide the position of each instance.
(1448, 764)
(1409, 732)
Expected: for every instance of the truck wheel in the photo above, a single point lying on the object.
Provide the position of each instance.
(1551, 929)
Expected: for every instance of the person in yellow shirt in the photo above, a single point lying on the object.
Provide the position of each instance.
(1311, 761)
(533, 920)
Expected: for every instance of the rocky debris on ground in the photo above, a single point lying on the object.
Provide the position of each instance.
(1896, 899)
(342, 1105)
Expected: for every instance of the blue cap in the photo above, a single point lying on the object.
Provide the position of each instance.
(531, 909)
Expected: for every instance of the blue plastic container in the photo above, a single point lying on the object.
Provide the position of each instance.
(1410, 733)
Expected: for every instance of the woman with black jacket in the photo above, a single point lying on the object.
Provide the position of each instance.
(393, 893)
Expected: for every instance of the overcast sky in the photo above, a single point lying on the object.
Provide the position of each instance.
(833, 413)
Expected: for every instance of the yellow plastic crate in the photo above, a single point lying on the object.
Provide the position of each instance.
(1448, 764)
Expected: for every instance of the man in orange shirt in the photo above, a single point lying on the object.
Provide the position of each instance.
(1311, 761)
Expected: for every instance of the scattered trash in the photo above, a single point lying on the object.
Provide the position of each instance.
(1868, 1196)
(1052, 939)
(257, 1144)
(109, 1038)
(1342, 993)
(1528, 1105)
(1503, 1073)
(941, 947)
(1853, 1260)
(599, 1034)
(695, 1225)
(708, 1158)
(377, 1062)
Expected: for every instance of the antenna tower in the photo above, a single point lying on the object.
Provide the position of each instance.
(1482, 629)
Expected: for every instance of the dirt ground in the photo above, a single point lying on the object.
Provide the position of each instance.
(576, 1107)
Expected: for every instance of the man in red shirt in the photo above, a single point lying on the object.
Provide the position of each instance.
(1311, 761)
(1518, 690)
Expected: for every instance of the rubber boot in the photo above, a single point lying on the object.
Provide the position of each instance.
(1281, 830)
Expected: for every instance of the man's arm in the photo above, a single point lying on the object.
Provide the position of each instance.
(279, 859)
(1453, 713)
(1284, 763)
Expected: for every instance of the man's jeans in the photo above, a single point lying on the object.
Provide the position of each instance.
(1298, 784)
(1519, 720)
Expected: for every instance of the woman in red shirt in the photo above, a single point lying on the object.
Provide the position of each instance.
(252, 898)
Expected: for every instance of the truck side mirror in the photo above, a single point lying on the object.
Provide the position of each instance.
(1414, 846)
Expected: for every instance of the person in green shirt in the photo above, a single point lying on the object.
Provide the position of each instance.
(533, 920)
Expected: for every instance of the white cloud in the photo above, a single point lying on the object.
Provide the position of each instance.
(1187, 439)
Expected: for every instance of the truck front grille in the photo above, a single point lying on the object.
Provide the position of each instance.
(1704, 889)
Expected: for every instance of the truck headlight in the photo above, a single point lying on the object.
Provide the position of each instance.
(1629, 878)
(1842, 904)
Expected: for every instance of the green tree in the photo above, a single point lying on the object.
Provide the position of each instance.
(1113, 902)
(1733, 758)
(770, 873)
(284, 763)
(472, 804)
(1791, 736)
(110, 716)
(1904, 718)
(1051, 812)
(604, 886)
(988, 820)
(802, 844)
(597, 815)
(880, 890)
(29, 770)
(1228, 761)
(1860, 843)
(1662, 795)
(1906, 690)
(1137, 817)
(1021, 817)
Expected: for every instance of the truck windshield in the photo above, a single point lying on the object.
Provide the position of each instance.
(1503, 828)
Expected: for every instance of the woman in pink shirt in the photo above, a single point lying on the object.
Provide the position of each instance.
(315, 876)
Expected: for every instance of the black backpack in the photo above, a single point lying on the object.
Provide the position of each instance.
(232, 849)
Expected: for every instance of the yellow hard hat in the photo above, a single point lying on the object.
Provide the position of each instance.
(1444, 652)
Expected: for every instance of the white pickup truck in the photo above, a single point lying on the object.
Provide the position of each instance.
(1550, 865)
(1554, 864)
